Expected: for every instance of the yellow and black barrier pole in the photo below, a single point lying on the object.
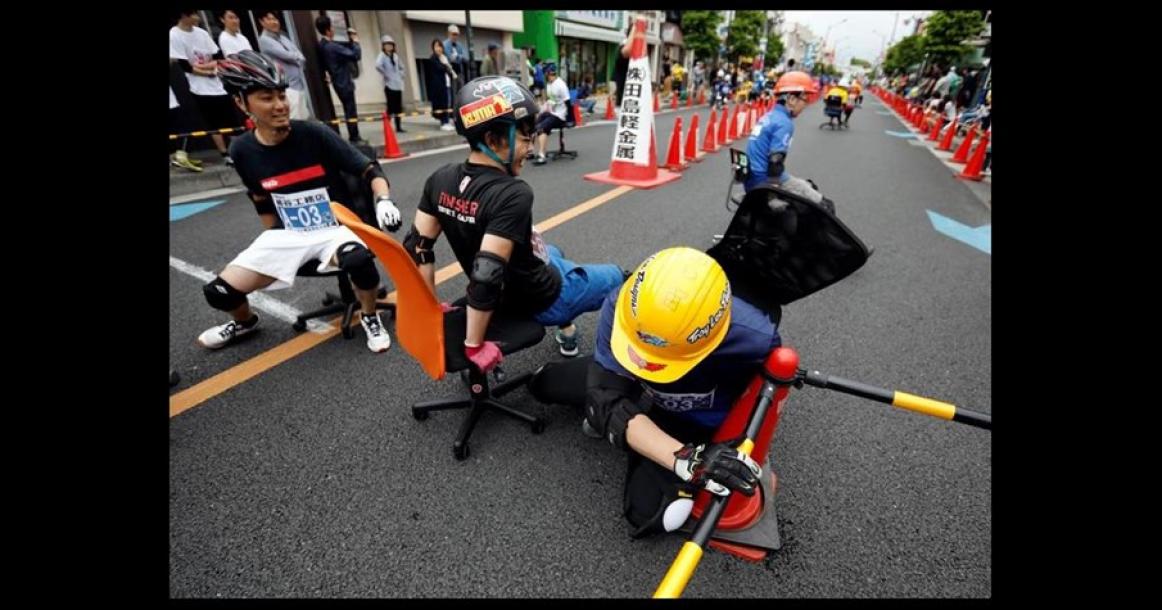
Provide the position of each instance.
(687, 560)
(364, 119)
(903, 400)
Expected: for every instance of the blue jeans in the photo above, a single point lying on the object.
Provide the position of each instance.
(583, 288)
(587, 105)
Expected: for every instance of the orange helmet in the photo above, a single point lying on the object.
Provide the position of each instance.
(795, 82)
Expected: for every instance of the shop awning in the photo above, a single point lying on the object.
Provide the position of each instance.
(587, 32)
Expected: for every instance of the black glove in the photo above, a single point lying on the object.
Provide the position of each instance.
(718, 467)
(813, 185)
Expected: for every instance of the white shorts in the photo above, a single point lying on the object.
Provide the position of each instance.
(298, 105)
(279, 253)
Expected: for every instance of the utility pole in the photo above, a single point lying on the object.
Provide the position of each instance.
(468, 39)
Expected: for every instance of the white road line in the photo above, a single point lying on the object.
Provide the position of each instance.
(258, 300)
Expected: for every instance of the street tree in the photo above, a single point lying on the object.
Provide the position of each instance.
(700, 33)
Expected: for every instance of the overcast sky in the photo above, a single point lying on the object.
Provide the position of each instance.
(857, 37)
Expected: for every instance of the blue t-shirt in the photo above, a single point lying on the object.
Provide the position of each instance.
(772, 134)
(706, 394)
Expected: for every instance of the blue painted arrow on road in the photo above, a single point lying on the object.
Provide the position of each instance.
(180, 211)
(980, 237)
(900, 134)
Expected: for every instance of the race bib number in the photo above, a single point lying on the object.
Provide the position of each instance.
(682, 402)
(305, 210)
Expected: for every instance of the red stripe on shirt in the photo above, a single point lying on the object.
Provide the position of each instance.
(295, 177)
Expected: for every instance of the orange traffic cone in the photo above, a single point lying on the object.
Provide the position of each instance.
(961, 155)
(692, 140)
(577, 115)
(657, 104)
(701, 96)
(634, 158)
(609, 108)
(721, 131)
(689, 99)
(946, 143)
(674, 102)
(390, 146)
(674, 152)
(972, 170)
(709, 143)
(935, 135)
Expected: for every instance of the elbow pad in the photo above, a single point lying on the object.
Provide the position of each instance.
(374, 171)
(486, 282)
(611, 401)
(775, 164)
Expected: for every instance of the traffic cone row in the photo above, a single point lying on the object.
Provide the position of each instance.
(920, 119)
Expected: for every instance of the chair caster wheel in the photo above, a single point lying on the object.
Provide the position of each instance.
(348, 332)
(461, 452)
(420, 415)
(327, 300)
(299, 325)
(537, 426)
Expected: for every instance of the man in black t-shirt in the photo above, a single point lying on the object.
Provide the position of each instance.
(486, 212)
(292, 171)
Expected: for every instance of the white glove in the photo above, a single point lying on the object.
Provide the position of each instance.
(387, 215)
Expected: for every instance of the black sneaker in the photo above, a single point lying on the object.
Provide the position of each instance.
(568, 345)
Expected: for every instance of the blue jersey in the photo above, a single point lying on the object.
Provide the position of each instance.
(772, 134)
(706, 394)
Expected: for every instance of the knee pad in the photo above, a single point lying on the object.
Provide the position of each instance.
(486, 282)
(222, 296)
(359, 264)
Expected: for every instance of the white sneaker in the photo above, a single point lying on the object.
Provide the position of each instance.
(221, 336)
(447, 127)
(377, 338)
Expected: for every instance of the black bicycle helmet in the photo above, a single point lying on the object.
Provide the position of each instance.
(247, 71)
(484, 102)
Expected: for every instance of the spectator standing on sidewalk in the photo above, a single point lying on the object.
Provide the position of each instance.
(231, 39)
(278, 46)
(490, 65)
(194, 50)
(390, 66)
(441, 80)
(337, 59)
(456, 54)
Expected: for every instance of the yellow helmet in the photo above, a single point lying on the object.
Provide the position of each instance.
(670, 314)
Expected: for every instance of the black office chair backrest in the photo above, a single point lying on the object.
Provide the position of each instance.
(569, 122)
(774, 258)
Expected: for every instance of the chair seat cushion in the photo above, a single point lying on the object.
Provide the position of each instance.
(511, 334)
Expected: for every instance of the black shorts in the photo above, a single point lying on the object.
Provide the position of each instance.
(547, 122)
(218, 111)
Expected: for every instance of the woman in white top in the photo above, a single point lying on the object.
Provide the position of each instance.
(391, 66)
(231, 39)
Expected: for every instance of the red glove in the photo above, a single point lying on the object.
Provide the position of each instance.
(446, 308)
(485, 356)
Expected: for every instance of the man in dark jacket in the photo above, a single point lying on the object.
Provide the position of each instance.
(337, 59)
